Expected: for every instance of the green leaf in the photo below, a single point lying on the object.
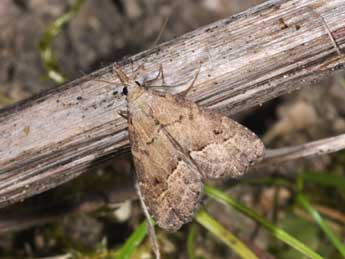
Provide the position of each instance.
(191, 241)
(49, 61)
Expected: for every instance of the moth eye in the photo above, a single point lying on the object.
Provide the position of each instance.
(125, 91)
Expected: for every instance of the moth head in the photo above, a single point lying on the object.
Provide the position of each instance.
(134, 92)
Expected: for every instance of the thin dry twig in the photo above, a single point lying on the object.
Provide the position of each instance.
(319, 147)
(306, 216)
(335, 45)
(331, 213)
(150, 224)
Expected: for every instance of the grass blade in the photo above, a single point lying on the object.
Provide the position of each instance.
(277, 232)
(212, 225)
(303, 201)
(132, 242)
(191, 241)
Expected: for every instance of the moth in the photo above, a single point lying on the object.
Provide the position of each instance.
(176, 145)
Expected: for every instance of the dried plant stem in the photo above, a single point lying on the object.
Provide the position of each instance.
(247, 59)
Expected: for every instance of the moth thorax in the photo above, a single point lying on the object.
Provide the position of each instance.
(135, 93)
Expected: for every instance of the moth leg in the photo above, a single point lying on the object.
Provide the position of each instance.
(144, 80)
(103, 81)
(180, 89)
(185, 92)
(140, 69)
(160, 74)
(123, 114)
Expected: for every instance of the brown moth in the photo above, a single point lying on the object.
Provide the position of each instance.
(176, 144)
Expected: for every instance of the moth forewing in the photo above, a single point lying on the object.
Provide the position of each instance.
(171, 186)
(175, 145)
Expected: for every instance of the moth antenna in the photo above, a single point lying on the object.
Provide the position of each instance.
(121, 75)
(103, 81)
(123, 114)
(174, 89)
(96, 80)
(156, 41)
(162, 29)
(160, 74)
(150, 224)
(139, 69)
